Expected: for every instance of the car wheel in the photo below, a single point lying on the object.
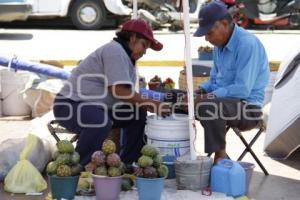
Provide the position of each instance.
(88, 14)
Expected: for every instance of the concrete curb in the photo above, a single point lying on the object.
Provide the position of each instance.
(274, 65)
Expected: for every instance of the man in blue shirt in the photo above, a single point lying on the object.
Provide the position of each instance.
(234, 93)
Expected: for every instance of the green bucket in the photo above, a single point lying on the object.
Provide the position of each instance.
(63, 187)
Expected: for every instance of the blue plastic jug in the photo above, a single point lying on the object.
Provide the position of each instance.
(228, 177)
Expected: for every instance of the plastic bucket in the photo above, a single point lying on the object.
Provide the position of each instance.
(107, 188)
(192, 174)
(12, 84)
(169, 162)
(63, 187)
(249, 168)
(149, 188)
(170, 135)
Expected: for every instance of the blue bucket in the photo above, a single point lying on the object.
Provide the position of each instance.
(150, 188)
(63, 187)
(169, 162)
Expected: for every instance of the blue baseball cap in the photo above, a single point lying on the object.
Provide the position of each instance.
(208, 15)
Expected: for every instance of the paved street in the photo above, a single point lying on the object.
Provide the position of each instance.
(33, 44)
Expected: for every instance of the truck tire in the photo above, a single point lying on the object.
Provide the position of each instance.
(88, 14)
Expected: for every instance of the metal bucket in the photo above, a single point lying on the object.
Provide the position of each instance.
(192, 174)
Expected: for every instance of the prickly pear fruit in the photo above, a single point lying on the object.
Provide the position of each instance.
(63, 159)
(150, 172)
(126, 184)
(149, 150)
(63, 170)
(65, 146)
(163, 171)
(114, 171)
(76, 169)
(108, 147)
(157, 161)
(98, 158)
(51, 168)
(138, 172)
(85, 174)
(101, 171)
(75, 158)
(55, 155)
(145, 161)
(90, 167)
(83, 183)
(113, 160)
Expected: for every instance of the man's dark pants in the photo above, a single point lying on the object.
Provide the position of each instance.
(218, 113)
(93, 123)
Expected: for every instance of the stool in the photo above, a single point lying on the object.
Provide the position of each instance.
(55, 128)
(261, 128)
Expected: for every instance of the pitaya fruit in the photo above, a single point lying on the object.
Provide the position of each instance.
(63, 170)
(90, 167)
(157, 161)
(114, 171)
(63, 159)
(55, 155)
(149, 150)
(150, 172)
(138, 172)
(113, 160)
(65, 146)
(75, 158)
(101, 171)
(76, 169)
(108, 147)
(145, 161)
(162, 171)
(52, 168)
(98, 158)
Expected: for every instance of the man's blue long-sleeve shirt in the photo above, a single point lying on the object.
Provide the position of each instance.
(240, 69)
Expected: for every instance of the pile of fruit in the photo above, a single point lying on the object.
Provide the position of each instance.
(168, 84)
(65, 161)
(106, 162)
(207, 49)
(155, 83)
(150, 164)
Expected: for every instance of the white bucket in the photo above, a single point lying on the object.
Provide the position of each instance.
(11, 86)
(170, 135)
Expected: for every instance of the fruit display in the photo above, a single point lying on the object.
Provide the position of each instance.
(106, 162)
(207, 49)
(155, 83)
(65, 161)
(150, 164)
(168, 84)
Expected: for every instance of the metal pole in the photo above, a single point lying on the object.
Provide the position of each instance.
(134, 14)
(189, 78)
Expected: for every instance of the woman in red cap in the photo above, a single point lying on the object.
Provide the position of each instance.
(100, 94)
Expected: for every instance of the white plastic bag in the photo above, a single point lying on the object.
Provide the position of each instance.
(24, 177)
(10, 150)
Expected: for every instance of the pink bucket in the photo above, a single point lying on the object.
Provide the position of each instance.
(107, 188)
